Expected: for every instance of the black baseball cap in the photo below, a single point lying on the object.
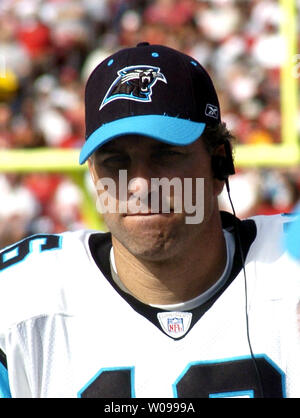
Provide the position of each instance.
(149, 90)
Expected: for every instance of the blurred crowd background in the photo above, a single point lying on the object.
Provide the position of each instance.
(49, 47)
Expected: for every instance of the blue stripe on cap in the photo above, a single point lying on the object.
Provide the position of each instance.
(172, 130)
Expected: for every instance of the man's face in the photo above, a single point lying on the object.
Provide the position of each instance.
(144, 228)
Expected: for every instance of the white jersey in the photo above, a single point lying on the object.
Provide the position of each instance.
(67, 330)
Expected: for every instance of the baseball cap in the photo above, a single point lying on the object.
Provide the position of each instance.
(149, 90)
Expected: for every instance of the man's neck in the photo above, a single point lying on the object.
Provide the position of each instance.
(173, 280)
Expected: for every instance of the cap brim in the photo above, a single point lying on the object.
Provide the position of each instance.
(172, 130)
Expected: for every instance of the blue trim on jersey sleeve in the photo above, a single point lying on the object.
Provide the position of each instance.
(4, 383)
(291, 239)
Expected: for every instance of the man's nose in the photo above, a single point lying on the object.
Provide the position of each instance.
(140, 179)
(140, 186)
(141, 172)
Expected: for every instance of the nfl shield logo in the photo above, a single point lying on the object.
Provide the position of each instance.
(175, 325)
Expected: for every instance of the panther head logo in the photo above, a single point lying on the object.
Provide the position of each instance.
(134, 83)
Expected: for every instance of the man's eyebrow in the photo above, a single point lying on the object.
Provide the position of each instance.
(108, 148)
(161, 146)
(164, 145)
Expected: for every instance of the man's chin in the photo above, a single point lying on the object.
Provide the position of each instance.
(149, 247)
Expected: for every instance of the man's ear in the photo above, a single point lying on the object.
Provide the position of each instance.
(220, 150)
(222, 162)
